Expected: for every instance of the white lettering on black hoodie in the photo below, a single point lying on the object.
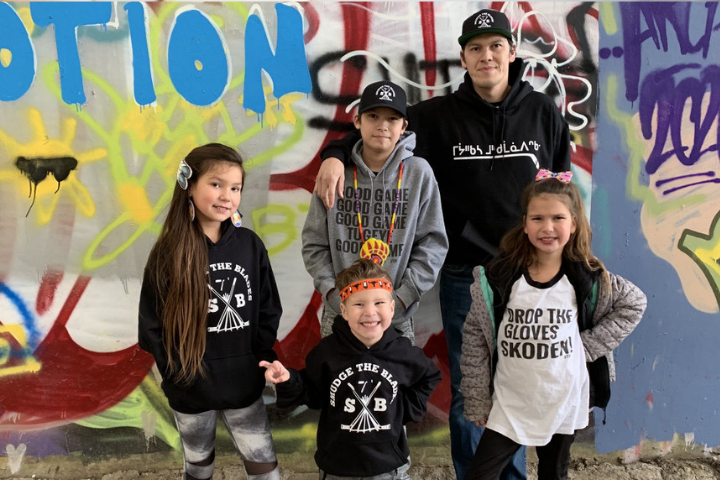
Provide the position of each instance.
(242, 322)
(365, 396)
(483, 155)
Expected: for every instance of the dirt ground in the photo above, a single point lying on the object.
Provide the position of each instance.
(581, 469)
(671, 460)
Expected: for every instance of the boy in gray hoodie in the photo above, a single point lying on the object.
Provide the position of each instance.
(391, 212)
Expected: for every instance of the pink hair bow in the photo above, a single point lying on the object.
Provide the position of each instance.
(564, 177)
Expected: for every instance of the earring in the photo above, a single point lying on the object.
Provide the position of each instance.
(237, 219)
(192, 209)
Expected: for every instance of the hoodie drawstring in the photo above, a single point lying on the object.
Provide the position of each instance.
(502, 133)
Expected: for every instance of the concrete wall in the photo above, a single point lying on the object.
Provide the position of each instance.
(100, 101)
(655, 213)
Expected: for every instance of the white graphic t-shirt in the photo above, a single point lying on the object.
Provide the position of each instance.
(541, 382)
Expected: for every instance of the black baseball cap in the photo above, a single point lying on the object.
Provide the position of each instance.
(485, 21)
(383, 94)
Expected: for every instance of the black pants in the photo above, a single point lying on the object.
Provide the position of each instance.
(495, 451)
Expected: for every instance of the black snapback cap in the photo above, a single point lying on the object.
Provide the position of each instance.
(485, 21)
(384, 94)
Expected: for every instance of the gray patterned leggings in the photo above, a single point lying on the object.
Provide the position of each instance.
(250, 432)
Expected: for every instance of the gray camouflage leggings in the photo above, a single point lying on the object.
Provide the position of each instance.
(250, 432)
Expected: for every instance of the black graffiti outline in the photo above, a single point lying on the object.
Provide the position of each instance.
(38, 168)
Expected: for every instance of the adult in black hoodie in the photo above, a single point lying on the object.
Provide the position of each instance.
(485, 142)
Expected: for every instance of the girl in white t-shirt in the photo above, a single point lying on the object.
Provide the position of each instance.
(545, 316)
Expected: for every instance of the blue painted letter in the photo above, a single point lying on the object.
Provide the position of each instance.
(67, 16)
(287, 66)
(18, 75)
(143, 88)
(197, 58)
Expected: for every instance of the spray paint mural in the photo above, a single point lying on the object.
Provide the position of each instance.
(99, 102)
(656, 212)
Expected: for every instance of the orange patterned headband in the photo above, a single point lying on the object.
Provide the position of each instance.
(368, 284)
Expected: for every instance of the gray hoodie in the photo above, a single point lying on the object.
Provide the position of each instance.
(331, 238)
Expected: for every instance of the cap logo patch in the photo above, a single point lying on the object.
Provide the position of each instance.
(385, 92)
(484, 20)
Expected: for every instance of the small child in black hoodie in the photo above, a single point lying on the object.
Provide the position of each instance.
(366, 379)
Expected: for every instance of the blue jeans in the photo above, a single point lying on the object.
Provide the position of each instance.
(455, 281)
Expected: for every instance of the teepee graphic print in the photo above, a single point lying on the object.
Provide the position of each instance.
(365, 421)
(229, 320)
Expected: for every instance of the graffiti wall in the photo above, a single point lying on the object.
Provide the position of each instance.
(100, 101)
(655, 212)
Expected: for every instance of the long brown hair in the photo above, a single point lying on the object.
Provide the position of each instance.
(178, 265)
(516, 251)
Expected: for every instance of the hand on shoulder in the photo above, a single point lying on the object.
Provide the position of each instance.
(330, 179)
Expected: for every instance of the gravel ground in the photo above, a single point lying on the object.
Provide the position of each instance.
(581, 469)
(672, 460)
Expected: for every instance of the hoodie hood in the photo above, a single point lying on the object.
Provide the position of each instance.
(225, 235)
(341, 329)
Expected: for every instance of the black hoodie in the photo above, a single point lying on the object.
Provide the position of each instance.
(365, 395)
(242, 323)
(483, 156)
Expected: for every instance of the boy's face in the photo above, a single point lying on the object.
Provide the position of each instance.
(368, 313)
(380, 128)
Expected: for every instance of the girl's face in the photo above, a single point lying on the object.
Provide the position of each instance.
(549, 224)
(216, 195)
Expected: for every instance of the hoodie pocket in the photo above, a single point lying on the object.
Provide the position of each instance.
(355, 459)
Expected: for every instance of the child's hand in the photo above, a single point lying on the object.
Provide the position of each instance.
(275, 372)
(481, 423)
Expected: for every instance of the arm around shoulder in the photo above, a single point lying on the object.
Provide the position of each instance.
(331, 176)
(340, 148)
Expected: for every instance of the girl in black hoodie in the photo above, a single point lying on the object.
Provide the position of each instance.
(209, 311)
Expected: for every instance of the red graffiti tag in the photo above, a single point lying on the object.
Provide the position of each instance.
(73, 382)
